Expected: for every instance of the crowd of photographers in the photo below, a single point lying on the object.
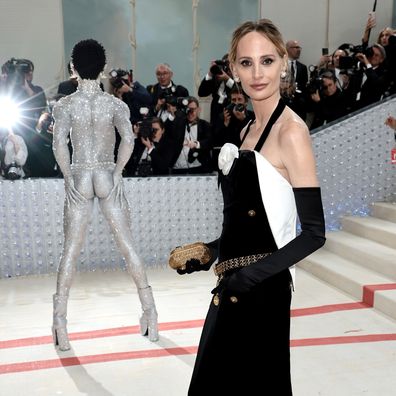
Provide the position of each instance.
(170, 136)
(349, 79)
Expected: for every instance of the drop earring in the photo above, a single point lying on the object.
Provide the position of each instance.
(283, 74)
(237, 79)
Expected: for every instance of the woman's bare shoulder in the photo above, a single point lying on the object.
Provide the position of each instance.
(292, 129)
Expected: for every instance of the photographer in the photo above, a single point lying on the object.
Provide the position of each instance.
(387, 39)
(165, 88)
(18, 77)
(41, 145)
(130, 92)
(149, 157)
(13, 155)
(374, 78)
(327, 100)
(233, 119)
(30, 98)
(190, 140)
(218, 82)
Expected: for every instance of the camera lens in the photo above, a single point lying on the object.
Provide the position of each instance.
(215, 70)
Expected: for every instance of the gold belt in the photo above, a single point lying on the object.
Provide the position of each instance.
(238, 262)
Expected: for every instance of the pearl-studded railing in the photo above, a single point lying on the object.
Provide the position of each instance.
(354, 168)
(354, 163)
(165, 212)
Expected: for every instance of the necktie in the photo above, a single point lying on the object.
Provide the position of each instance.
(293, 70)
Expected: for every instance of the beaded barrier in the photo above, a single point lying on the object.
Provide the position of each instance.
(165, 212)
(354, 163)
(354, 168)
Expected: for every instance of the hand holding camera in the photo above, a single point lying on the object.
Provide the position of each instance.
(121, 81)
(220, 69)
(234, 109)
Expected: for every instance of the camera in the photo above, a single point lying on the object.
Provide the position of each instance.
(180, 102)
(15, 69)
(219, 67)
(237, 106)
(13, 171)
(351, 62)
(192, 155)
(169, 95)
(145, 125)
(119, 77)
(146, 130)
(315, 82)
(167, 92)
(144, 168)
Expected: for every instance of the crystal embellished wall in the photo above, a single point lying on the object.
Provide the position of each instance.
(354, 168)
(354, 163)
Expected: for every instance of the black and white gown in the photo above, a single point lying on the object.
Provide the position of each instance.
(244, 347)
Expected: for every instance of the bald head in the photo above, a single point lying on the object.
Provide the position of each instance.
(293, 49)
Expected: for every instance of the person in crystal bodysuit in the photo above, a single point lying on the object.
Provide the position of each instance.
(270, 179)
(90, 116)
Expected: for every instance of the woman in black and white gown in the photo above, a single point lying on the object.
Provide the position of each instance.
(266, 183)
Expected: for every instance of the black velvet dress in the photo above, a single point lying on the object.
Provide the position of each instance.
(244, 347)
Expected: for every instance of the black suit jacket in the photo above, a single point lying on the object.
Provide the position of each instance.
(374, 86)
(301, 76)
(211, 87)
(155, 90)
(67, 87)
(204, 137)
(159, 158)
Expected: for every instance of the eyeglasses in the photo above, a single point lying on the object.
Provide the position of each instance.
(295, 47)
(193, 108)
(163, 74)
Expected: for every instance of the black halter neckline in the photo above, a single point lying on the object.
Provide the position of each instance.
(274, 116)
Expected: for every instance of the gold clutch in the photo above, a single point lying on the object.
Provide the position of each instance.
(180, 255)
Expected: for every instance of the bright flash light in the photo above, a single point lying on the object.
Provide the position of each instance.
(9, 112)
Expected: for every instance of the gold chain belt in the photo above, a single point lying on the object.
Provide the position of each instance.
(238, 262)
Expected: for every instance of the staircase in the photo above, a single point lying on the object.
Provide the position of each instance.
(361, 258)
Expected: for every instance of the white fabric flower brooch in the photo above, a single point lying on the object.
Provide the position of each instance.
(227, 155)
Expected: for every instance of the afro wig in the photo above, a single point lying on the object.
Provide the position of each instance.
(89, 59)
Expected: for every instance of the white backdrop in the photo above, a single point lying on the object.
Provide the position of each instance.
(34, 29)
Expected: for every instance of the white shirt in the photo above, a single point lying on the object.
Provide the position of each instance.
(182, 161)
(221, 91)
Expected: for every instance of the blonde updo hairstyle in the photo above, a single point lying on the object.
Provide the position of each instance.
(263, 26)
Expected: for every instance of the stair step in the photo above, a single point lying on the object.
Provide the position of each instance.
(377, 230)
(341, 273)
(373, 255)
(385, 301)
(384, 210)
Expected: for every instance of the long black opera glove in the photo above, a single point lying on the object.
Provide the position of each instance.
(194, 265)
(312, 237)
